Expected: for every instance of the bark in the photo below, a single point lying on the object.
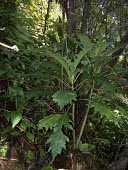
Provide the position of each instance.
(69, 8)
(70, 16)
(47, 16)
(86, 16)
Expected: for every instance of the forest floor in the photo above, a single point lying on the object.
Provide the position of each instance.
(67, 161)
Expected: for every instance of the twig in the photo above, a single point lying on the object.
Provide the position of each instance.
(85, 117)
(14, 47)
(1, 29)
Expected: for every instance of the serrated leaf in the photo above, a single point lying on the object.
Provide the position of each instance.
(56, 57)
(35, 93)
(107, 85)
(49, 121)
(78, 57)
(99, 48)
(65, 121)
(15, 118)
(57, 142)
(105, 110)
(85, 41)
(64, 97)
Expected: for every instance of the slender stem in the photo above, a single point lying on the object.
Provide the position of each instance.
(86, 115)
(73, 119)
(62, 78)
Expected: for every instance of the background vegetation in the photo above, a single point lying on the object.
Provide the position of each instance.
(63, 94)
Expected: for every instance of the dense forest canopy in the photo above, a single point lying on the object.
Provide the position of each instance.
(63, 84)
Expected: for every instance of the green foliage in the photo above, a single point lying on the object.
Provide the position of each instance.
(64, 97)
(70, 65)
(104, 110)
(2, 71)
(49, 121)
(15, 118)
(85, 41)
(30, 136)
(23, 126)
(29, 155)
(85, 148)
(89, 63)
(105, 83)
(47, 168)
(75, 71)
(3, 147)
(57, 140)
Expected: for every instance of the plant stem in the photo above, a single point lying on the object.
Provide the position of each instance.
(86, 115)
(73, 120)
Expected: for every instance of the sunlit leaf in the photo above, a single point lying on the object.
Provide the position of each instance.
(15, 118)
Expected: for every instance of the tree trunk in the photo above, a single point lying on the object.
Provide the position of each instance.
(70, 12)
(86, 16)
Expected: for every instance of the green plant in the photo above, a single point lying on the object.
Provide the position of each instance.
(86, 70)
(77, 73)
(47, 168)
(3, 147)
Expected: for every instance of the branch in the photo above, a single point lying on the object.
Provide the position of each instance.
(14, 47)
(1, 29)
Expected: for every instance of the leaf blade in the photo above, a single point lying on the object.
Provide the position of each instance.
(15, 118)
(62, 98)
